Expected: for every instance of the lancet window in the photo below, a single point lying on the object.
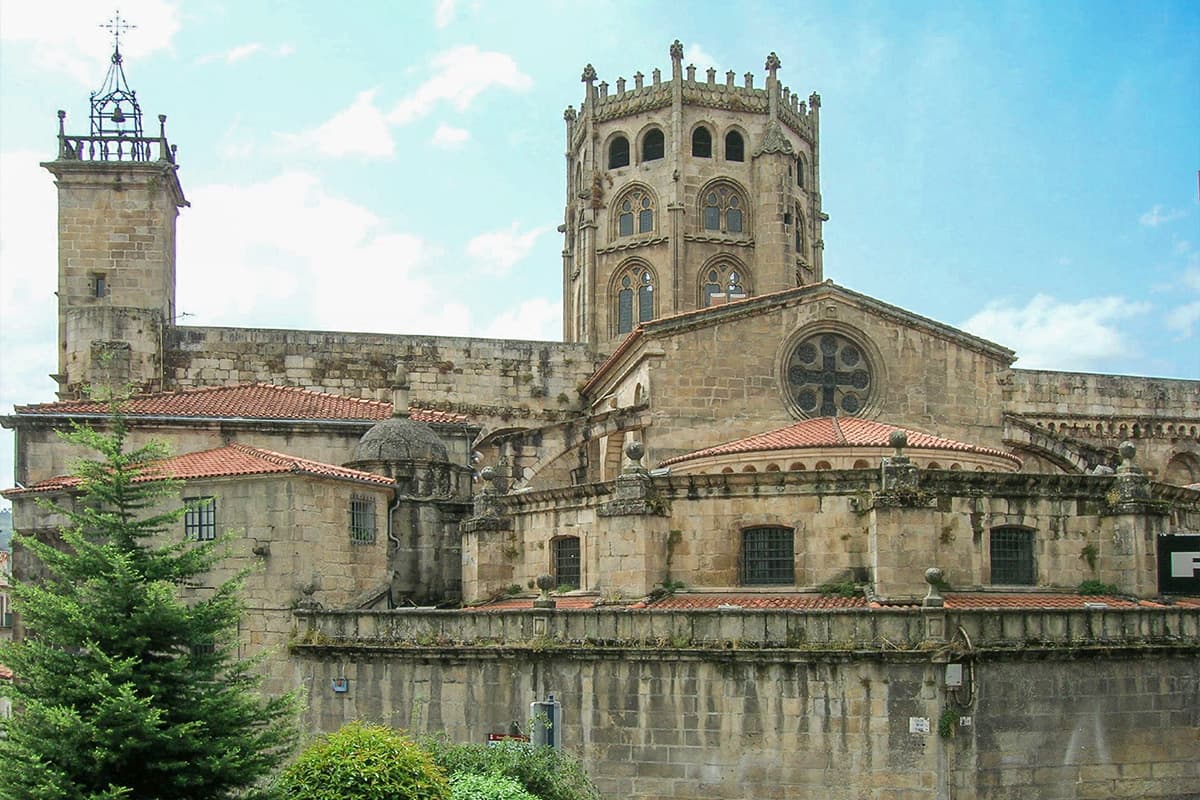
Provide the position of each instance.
(634, 297)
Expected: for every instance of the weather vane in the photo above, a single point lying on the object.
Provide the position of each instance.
(117, 26)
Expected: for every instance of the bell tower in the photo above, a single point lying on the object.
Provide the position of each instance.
(686, 191)
(118, 199)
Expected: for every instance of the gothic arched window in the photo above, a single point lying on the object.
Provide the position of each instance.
(635, 212)
(635, 297)
(723, 282)
(723, 209)
(800, 172)
(735, 148)
(618, 153)
(653, 145)
(799, 232)
(702, 142)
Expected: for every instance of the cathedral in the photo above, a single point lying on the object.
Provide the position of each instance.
(722, 428)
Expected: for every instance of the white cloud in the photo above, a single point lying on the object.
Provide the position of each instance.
(537, 318)
(28, 276)
(450, 137)
(443, 13)
(497, 252)
(65, 37)
(695, 54)
(358, 130)
(1159, 216)
(310, 260)
(459, 76)
(1049, 334)
(244, 51)
(1183, 319)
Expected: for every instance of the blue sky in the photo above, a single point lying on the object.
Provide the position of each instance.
(1027, 171)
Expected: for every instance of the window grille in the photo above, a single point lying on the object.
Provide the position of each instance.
(618, 153)
(566, 561)
(701, 143)
(362, 519)
(200, 519)
(653, 145)
(768, 556)
(1011, 552)
(734, 148)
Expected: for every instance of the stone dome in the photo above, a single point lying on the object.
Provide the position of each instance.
(398, 440)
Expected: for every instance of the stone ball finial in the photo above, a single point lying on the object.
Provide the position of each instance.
(677, 50)
(545, 582)
(487, 473)
(1127, 450)
(933, 598)
(898, 440)
(934, 576)
(635, 451)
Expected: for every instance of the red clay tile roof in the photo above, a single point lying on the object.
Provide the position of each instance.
(232, 459)
(769, 602)
(808, 601)
(833, 432)
(245, 401)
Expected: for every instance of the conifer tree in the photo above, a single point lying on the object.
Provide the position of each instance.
(123, 689)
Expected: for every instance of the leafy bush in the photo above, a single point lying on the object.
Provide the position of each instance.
(364, 762)
(467, 786)
(544, 772)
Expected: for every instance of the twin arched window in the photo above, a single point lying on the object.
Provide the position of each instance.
(635, 212)
(634, 296)
(723, 209)
(724, 281)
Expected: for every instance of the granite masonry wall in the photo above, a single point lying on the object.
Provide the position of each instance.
(745, 705)
(522, 380)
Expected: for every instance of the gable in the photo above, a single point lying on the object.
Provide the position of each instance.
(723, 373)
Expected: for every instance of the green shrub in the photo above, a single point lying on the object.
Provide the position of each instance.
(467, 786)
(544, 772)
(364, 762)
(1098, 588)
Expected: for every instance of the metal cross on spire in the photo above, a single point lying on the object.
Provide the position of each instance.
(117, 26)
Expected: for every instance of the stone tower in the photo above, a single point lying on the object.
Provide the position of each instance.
(685, 194)
(118, 198)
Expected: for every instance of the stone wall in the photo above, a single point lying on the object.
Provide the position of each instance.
(738, 705)
(520, 380)
(689, 529)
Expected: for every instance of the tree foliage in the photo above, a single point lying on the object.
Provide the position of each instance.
(122, 688)
(364, 762)
(544, 772)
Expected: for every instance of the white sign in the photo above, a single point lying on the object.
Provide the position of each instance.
(918, 724)
(1185, 565)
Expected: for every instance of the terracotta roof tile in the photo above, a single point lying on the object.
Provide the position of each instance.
(965, 600)
(244, 401)
(771, 602)
(232, 459)
(833, 432)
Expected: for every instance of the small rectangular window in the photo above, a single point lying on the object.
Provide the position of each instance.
(362, 519)
(566, 562)
(768, 556)
(1011, 551)
(99, 285)
(200, 519)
